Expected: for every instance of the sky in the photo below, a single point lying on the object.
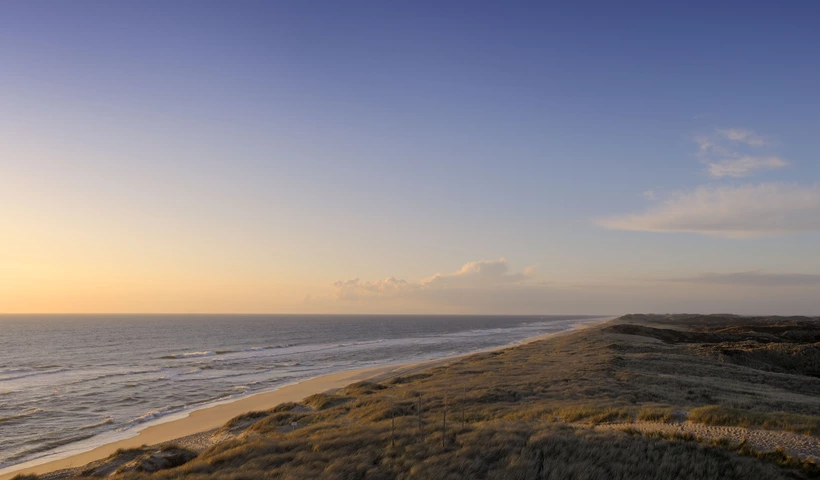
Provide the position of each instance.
(409, 157)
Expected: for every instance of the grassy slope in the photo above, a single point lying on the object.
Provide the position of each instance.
(517, 403)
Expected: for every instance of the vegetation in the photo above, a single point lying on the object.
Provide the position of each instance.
(321, 401)
(498, 450)
(778, 456)
(654, 414)
(720, 415)
(527, 412)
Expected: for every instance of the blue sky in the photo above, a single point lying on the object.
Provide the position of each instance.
(255, 156)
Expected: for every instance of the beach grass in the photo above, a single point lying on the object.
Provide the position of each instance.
(722, 415)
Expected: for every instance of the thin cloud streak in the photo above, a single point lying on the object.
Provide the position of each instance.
(743, 211)
(744, 166)
(728, 153)
(741, 135)
(752, 279)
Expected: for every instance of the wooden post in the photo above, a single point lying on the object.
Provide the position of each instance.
(418, 411)
(444, 420)
(463, 403)
(392, 423)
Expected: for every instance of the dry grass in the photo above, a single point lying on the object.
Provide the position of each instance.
(321, 401)
(595, 414)
(781, 458)
(777, 457)
(655, 414)
(721, 415)
(501, 450)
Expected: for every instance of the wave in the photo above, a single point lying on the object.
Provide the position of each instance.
(175, 356)
(170, 409)
(46, 446)
(189, 378)
(107, 421)
(25, 413)
(281, 349)
(14, 371)
(112, 375)
(29, 374)
(148, 416)
(208, 353)
(128, 400)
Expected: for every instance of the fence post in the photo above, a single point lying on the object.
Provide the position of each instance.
(463, 403)
(444, 420)
(418, 411)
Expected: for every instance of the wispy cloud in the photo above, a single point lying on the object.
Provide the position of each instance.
(730, 211)
(709, 145)
(729, 153)
(744, 166)
(754, 278)
(742, 135)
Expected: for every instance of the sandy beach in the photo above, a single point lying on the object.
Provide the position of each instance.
(213, 417)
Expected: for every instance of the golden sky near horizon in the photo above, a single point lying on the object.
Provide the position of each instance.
(266, 160)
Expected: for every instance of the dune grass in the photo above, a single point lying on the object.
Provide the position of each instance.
(778, 457)
(722, 415)
(655, 414)
(500, 450)
(321, 401)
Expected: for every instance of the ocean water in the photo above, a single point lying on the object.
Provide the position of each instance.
(68, 383)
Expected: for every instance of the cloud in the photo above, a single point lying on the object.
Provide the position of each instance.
(753, 279)
(709, 145)
(355, 288)
(480, 273)
(728, 153)
(491, 287)
(472, 275)
(730, 211)
(744, 166)
(741, 135)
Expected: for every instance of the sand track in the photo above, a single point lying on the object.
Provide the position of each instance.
(797, 445)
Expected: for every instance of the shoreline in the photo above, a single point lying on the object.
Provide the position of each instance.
(215, 416)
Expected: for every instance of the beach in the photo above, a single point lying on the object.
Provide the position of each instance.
(190, 429)
(210, 418)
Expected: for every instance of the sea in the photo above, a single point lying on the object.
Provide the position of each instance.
(69, 383)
